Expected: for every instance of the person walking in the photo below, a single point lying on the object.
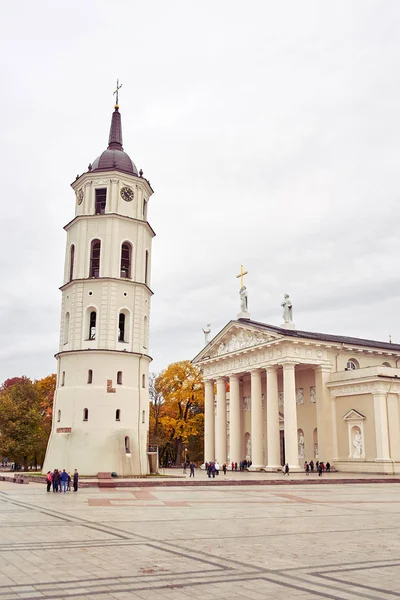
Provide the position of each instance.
(48, 480)
(312, 466)
(209, 469)
(307, 468)
(213, 470)
(286, 471)
(217, 467)
(224, 468)
(320, 470)
(76, 480)
(233, 466)
(192, 468)
(328, 467)
(69, 482)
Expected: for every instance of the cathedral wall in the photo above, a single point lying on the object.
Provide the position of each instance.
(363, 403)
(306, 412)
(363, 358)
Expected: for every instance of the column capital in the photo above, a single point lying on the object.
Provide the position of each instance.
(208, 382)
(271, 368)
(234, 377)
(255, 372)
(288, 366)
(221, 380)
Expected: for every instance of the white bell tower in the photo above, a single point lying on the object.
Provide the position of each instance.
(101, 405)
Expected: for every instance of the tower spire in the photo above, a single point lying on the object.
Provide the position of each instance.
(115, 137)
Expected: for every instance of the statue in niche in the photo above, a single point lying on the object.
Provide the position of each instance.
(207, 333)
(313, 394)
(301, 445)
(248, 447)
(93, 333)
(358, 444)
(243, 299)
(287, 309)
(315, 449)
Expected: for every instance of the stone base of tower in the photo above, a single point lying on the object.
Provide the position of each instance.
(104, 452)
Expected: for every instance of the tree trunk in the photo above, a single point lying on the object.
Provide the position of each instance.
(179, 452)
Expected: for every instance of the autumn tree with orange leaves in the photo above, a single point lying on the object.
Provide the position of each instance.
(177, 413)
(25, 419)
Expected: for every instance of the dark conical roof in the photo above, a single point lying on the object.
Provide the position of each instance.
(115, 157)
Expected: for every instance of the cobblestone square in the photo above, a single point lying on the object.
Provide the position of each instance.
(307, 541)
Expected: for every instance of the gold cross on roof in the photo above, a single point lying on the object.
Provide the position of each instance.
(241, 275)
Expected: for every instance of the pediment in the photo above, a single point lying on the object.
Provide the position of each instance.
(235, 337)
(353, 415)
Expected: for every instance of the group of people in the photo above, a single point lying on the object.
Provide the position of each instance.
(191, 466)
(61, 480)
(319, 467)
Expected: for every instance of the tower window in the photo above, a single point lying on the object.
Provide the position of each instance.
(119, 378)
(90, 376)
(126, 257)
(146, 267)
(66, 328)
(117, 415)
(143, 416)
(101, 199)
(63, 378)
(121, 327)
(143, 380)
(59, 416)
(85, 414)
(71, 262)
(92, 325)
(95, 258)
(127, 445)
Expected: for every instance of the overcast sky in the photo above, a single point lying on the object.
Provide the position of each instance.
(269, 131)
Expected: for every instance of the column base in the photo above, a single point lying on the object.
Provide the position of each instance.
(273, 468)
(256, 468)
(295, 469)
(383, 460)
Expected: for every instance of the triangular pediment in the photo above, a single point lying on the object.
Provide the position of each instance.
(353, 415)
(235, 337)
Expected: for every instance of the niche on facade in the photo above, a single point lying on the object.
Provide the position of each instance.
(315, 442)
(300, 443)
(247, 445)
(355, 430)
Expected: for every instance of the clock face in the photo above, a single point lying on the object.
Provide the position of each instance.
(79, 196)
(127, 194)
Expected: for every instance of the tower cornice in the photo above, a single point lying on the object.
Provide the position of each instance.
(91, 177)
(107, 216)
(120, 280)
(102, 351)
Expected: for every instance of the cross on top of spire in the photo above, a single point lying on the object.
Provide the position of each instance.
(115, 93)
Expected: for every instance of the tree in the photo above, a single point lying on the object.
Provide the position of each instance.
(180, 415)
(25, 419)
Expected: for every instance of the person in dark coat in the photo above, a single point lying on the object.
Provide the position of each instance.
(76, 479)
(286, 471)
(55, 480)
(192, 468)
(320, 469)
(328, 467)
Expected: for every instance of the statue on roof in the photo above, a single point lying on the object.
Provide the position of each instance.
(207, 333)
(243, 299)
(287, 309)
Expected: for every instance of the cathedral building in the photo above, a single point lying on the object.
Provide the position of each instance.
(277, 395)
(101, 406)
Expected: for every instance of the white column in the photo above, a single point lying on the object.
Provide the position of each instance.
(324, 414)
(273, 435)
(290, 416)
(381, 428)
(256, 422)
(234, 407)
(220, 422)
(209, 422)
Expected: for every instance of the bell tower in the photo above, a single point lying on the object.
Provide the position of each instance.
(101, 405)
